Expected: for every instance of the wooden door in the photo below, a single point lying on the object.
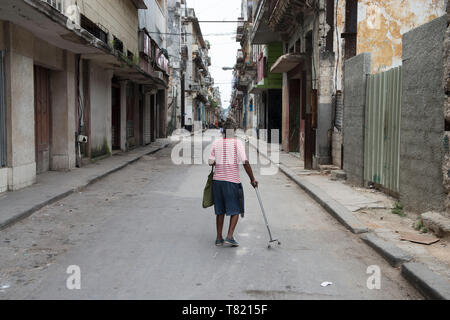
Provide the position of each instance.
(42, 117)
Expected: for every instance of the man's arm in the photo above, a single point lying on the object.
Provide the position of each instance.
(248, 169)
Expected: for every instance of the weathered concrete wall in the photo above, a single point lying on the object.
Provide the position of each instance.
(3, 179)
(162, 116)
(123, 115)
(422, 120)
(100, 101)
(19, 94)
(154, 19)
(63, 115)
(337, 148)
(174, 49)
(355, 73)
(120, 17)
(324, 109)
(285, 129)
(24, 50)
(446, 84)
(381, 25)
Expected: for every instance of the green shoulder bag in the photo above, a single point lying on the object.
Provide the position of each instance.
(208, 199)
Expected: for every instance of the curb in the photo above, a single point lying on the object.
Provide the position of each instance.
(25, 214)
(9, 222)
(390, 252)
(427, 282)
(431, 285)
(337, 210)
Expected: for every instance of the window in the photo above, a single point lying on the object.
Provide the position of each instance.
(118, 44)
(94, 29)
(130, 55)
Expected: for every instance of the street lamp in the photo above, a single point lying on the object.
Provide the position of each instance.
(227, 68)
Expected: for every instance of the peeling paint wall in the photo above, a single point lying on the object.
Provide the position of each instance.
(381, 24)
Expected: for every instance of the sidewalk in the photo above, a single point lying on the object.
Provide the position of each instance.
(52, 186)
(369, 213)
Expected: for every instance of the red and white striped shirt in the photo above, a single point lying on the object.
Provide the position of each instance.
(228, 154)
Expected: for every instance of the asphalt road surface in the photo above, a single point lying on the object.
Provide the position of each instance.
(141, 233)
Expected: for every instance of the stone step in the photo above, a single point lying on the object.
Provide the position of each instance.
(338, 175)
(437, 223)
(326, 168)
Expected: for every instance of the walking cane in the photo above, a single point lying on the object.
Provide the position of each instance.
(265, 219)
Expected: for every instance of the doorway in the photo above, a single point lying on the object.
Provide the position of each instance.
(294, 115)
(153, 117)
(274, 114)
(115, 116)
(42, 117)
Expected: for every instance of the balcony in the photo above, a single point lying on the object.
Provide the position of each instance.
(240, 56)
(184, 51)
(47, 20)
(239, 59)
(286, 11)
(199, 57)
(208, 81)
(240, 29)
(265, 78)
(194, 87)
(261, 33)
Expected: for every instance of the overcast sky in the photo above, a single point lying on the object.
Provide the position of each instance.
(222, 37)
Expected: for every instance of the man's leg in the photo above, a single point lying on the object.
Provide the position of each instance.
(219, 223)
(233, 222)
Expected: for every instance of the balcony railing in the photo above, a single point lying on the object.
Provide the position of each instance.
(240, 56)
(200, 57)
(240, 29)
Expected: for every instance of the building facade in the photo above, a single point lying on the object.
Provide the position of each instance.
(197, 77)
(301, 46)
(74, 80)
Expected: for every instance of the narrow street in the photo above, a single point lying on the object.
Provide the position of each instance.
(141, 233)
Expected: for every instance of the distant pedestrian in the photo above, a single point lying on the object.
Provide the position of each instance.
(226, 155)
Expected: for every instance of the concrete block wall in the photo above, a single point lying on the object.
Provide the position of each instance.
(324, 112)
(422, 119)
(100, 107)
(356, 70)
(446, 85)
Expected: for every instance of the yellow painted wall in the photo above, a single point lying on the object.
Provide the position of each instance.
(381, 24)
(120, 17)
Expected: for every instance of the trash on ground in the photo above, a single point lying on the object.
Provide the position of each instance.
(326, 284)
(418, 238)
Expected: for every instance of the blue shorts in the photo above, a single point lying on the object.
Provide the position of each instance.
(228, 198)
